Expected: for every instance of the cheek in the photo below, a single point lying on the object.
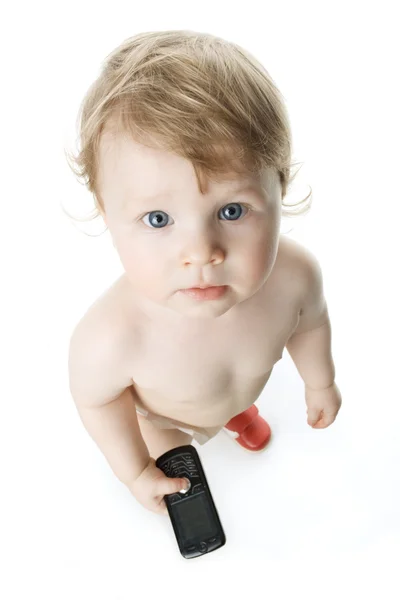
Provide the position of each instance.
(142, 265)
(260, 261)
(259, 257)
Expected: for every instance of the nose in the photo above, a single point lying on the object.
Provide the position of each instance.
(201, 250)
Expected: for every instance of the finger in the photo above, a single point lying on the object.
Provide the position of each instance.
(324, 422)
(329, 419)
(313, 421)
(161, 508)
(159, 511)
(171, 485)
(315, 415)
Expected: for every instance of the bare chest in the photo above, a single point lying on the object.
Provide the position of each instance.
(205, 377)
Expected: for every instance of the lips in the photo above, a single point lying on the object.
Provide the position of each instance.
(206, 293)
(202, 287)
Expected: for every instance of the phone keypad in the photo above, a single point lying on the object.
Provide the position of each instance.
(183, 466)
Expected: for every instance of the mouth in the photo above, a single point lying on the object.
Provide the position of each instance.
(203, 287)
(209, 292)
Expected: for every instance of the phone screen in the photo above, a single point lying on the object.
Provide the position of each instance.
(194, 519)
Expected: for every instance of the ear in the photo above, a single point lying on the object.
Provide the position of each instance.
(100, 208)
(106, 224)
(102, 214)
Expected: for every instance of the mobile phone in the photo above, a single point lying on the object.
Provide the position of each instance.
(193, 514)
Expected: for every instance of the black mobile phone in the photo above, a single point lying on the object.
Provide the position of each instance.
(193, 513)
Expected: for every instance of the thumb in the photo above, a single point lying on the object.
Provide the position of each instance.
(172, 485)
(313, 416)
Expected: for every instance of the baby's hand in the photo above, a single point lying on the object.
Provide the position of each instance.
(323, 406)
(152, 485)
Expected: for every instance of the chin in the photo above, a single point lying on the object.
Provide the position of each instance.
(203, 313)
(209, 310)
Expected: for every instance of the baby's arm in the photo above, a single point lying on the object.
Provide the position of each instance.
(310, 344)
(104, 397)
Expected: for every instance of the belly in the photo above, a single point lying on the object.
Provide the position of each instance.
(213, 405)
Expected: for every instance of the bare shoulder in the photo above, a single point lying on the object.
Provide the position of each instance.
(100, 350)
(297, 260)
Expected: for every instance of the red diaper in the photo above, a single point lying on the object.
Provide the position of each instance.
(253, 432)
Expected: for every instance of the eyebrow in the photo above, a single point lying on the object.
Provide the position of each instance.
(166, 195)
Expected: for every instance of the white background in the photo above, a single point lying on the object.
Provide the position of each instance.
(317, 515)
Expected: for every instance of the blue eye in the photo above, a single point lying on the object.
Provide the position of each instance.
(158, 218)
(232, 212)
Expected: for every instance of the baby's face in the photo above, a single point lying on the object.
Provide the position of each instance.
(170, 237)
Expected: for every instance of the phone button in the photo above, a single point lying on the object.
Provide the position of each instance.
(203, 547)
(189, 486)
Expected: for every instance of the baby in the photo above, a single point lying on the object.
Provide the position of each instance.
(186, 148)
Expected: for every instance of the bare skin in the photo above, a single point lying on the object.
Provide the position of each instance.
(197, 362)
(206, 376)
(201, 377)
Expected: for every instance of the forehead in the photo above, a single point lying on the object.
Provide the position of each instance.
(129, 169)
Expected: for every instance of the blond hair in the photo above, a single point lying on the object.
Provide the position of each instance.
(194, 94)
